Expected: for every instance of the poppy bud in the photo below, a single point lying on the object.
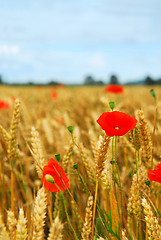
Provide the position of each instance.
(49, 178)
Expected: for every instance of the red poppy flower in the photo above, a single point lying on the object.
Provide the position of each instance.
(54, 95)
(53, 176)
(155, 175)
(116, 123)
(13, 98)
(60, 85)
(59, 120)
(116, 89)
(4, 105)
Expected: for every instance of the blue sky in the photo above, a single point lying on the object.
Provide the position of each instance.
(66, 40)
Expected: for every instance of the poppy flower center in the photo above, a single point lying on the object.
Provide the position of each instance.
(49, 178)
(117, 128)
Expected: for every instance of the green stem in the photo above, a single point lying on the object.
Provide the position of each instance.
(83, 182)
(136, 161)
(113, 169)
(68, 217)
(114, 175)
(119, 181)
(65, 208)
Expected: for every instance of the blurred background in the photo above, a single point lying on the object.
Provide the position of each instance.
(80, 42)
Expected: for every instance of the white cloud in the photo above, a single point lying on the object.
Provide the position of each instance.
(97, 61)
(9, 49)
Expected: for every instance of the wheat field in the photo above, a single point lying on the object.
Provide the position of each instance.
(35, 128)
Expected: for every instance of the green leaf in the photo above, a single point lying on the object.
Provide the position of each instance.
(147, 182)
(73, 153)
(107, 221)
(95, 237)
(152, 91)
(57, 156)
(100, 227)
(75, 165)
(158, 212)
(112, 105)
(9, 191)
(70, 129)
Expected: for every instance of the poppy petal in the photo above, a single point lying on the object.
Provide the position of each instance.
(61, 181)
(155, 175)
(116, 89)
(116, 123)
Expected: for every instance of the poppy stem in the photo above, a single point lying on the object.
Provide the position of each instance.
(83, 182)
(114, 175)
(65, 208)
(119, 181)
(136, 161)
(153, 137)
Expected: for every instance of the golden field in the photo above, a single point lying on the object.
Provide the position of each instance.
(34, 129)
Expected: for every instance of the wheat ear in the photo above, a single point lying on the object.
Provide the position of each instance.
(103, 146)
(87, 227)
(38, 215)
(146, 143)
(11, 222)
(123, 235)
(37, 152)
(138, 186)
(13, 131)
(93, 141)
(48, 130)
(67, 155)
(153, 227)
(87, 163)
(106, 175)
(56, 230)
(12, 147)
(5, 136)
(3, 232)
(21, 232)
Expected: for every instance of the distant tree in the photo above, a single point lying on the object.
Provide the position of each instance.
(99, 82)
(53, 83)
(149, 81)
(30, 83)
(1, 79)
(89, 80)
(159, 81)
(113, 80)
